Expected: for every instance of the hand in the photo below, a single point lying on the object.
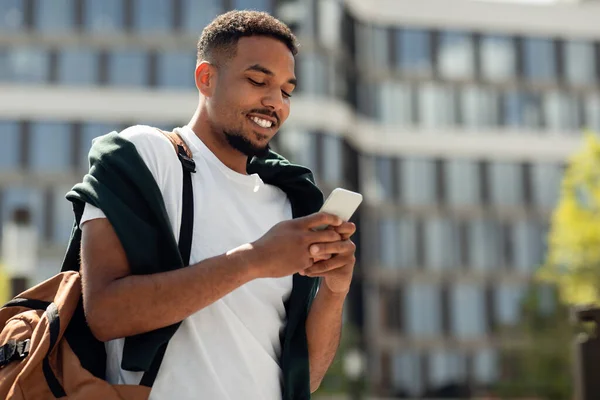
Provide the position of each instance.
(284, 249)
(337, 260)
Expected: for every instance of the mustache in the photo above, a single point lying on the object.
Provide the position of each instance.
(266, 112)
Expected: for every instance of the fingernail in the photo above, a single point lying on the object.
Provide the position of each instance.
(314, 249)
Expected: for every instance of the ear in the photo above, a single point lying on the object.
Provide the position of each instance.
(206, 78)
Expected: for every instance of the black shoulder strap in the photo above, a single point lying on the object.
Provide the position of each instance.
(185, 233)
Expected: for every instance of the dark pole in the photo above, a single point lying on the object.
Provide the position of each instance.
(587, 356)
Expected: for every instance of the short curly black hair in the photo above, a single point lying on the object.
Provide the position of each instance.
(219, 38)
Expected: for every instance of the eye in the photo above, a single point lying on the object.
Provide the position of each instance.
(255, 83)
(286, 94)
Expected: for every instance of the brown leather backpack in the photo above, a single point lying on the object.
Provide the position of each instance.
(36, 360)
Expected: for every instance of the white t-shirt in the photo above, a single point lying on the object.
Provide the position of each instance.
(230, 349)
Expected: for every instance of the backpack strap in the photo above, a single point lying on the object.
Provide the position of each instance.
(185, 232)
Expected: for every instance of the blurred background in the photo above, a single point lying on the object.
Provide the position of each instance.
(456, 119)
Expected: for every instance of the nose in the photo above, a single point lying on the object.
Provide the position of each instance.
(275, 101)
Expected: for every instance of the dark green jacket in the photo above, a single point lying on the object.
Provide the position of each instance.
(121, 185)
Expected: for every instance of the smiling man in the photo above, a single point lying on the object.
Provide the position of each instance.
(252, 323)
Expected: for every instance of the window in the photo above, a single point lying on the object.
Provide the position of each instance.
(407, 373)
(480, 107)
(446, 368)
(24, 65)
(12, 15)
(312, 70)
(300, 147)
(104, 16)
(546, 184)
(592, 112)
(422, 310)
(333, 159)
(506, 187)
(580, 63)
(523, 110)
(406, 243)
(462, 187)
(89, 132)
(128, 68)
(78, 66)
(485, 366)
(483, 244)
(467, 311)
(562, 111)
(388, 232)
(507, 301)
(330, 14)
(437, 106)
(57, 16)
(441, 241)
(528, 245)
(176, 69)
(50, 149)
(539, 59)
(10, 149)
(396, 103)
(418, 181)
(456, 55)
(384, 178)
(498, 58)
(413, 51)
(151, 16)
(63, 218)
(196, 14)
(259, 5)
(372, 46)
(18, 196)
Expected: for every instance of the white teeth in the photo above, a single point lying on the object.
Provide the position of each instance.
(262, 122)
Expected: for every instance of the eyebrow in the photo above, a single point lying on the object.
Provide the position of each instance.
(266, 71)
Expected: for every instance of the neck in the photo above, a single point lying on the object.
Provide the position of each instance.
(217, 143)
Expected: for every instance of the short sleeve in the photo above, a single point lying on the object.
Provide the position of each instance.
(90, 212)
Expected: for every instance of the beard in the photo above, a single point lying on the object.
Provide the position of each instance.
(240, 143)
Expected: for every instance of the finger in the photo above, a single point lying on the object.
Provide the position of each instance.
(325, 236)
(319, 219)
(346, 229)
(333, 263)
(339, 247)
(322, 257)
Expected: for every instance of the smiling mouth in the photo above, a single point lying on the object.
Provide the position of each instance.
(263, 123)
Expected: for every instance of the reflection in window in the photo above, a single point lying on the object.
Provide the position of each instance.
(529, 245)
(330, 14)
(12, 15)
(407, 242)
(77, 66)
(506, 187)
(176, 69)
(128, 68)
(523, 110)
(333, 160)
(456, 55)
(580, 62)
(104, 16)
(485, 366)
(9, 151)
(89, 132)
(396, 105)
(446, 368)
(592, 112)
(54, 16)
(418, 181)
(437, 106)
(372, 46)
(480, 107)
(259, 5)
(196, 14)
(441, 244)
(152, 15)
(484, 238)
(388, 242)
(24, 65)
(422, 310)
(539, 61)
(407, 373)
(413, 49)
(507, 301)
(384, 178)
(562, 111)
(546, 184)
(467, 311)
(462, 182)
(498, 58)
(312, 72)
(50, 149)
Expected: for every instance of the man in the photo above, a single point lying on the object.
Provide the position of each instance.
(248, 253)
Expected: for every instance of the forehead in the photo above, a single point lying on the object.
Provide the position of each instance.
(267, 52)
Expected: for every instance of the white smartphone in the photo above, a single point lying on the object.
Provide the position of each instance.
(342, 203)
